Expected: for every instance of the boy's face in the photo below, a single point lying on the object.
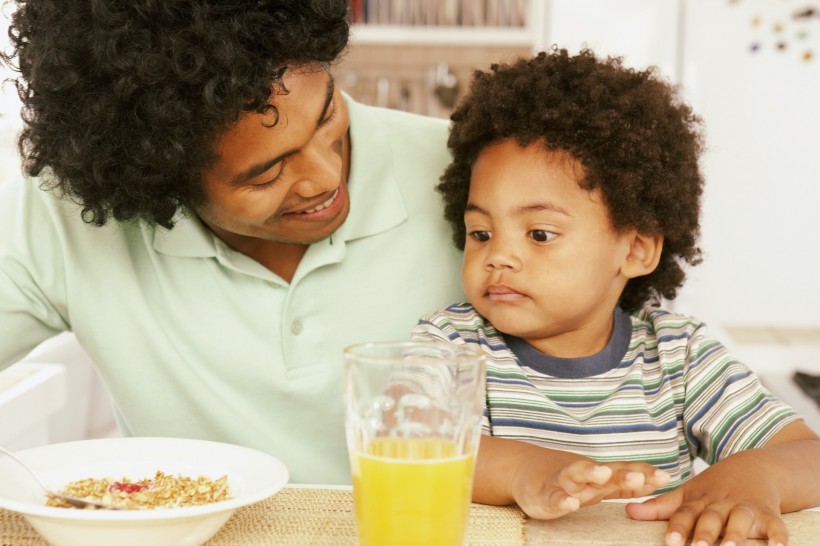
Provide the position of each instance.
(541, 261)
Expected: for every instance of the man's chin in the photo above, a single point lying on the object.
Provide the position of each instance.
(307, 238)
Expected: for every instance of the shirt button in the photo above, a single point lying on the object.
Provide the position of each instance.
(296, 327)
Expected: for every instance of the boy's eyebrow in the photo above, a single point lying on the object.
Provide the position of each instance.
(471, 207)
(259, 168)
(543, 206)
(534, 207)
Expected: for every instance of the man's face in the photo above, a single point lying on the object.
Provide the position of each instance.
(282, 181)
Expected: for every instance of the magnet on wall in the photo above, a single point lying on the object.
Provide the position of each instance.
(780, 30)
(806, 13)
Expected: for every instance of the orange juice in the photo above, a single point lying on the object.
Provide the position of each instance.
(412, 492)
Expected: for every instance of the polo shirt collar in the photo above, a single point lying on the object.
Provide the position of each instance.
(376, 204)
(189, 238)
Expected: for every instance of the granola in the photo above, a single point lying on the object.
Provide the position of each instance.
(161, 491)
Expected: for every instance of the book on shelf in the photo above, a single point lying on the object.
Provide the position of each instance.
(467, 13)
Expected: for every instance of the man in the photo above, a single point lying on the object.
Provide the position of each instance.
(213, 218)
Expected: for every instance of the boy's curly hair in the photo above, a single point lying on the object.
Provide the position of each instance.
(638, 144)
(123, 99)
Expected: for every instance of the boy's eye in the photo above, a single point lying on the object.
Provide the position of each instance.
(480, 236)
(541, 235)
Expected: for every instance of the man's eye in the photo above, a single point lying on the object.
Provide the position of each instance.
(270, 182)
(330, 116)
(480, 236)
(542, 235)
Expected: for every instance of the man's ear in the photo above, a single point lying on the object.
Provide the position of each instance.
(644, 255)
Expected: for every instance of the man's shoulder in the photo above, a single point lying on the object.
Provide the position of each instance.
(400, 126)
(28, 202)
(398, 116)
(41, 212)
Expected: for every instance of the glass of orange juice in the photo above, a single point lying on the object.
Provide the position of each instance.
(413, 426)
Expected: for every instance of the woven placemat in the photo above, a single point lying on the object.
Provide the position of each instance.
(305, 517)
(606, 524)
(15, 531)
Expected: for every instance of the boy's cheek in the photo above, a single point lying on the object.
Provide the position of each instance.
(471, 282)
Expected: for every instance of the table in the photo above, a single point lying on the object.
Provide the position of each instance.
(606, 524)
(317, 516)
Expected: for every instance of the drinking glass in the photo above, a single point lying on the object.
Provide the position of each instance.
(413, 421)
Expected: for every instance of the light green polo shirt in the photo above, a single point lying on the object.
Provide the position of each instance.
(196, 340)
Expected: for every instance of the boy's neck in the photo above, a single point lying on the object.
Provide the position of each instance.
(575, 368)
(587, 339)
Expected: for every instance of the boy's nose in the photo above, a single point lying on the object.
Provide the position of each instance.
(502, 256)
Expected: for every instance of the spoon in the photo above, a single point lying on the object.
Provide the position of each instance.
(73, 501)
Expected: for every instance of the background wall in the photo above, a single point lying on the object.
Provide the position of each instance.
(9, 110)
(761, 230)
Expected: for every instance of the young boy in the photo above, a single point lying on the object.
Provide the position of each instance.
(575, 193)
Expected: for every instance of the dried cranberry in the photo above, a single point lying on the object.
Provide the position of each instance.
(127, 488)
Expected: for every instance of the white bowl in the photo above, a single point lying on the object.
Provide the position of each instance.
(252, 476)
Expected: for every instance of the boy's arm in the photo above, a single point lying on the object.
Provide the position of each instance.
(548, 483)
(743, 495)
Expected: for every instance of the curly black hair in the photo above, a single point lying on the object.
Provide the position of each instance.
(639, 145)
(123, 99)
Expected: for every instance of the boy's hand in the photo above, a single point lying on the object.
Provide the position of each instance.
(743, 495)
(714, 504)
(549, 483)
(583, 482)
(705, 517)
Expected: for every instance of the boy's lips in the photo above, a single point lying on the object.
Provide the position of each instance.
(502, 292)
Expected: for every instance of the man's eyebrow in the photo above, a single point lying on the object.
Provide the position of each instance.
(331, 87)
(259, 168)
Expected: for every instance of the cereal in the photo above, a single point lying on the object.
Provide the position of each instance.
(161, 491)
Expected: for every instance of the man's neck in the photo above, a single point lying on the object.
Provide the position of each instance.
(280, 258)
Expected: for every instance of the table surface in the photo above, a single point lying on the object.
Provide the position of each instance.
(323, 516)
(607, 524)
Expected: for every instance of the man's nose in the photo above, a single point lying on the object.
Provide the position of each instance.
(319, 169)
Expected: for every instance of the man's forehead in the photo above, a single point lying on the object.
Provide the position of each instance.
(257, 140)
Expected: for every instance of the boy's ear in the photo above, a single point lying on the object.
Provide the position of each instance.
(644, 255)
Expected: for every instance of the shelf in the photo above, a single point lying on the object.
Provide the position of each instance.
(438, 35)
(402, 65)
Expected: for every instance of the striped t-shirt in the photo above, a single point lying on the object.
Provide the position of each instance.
(662, 391)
